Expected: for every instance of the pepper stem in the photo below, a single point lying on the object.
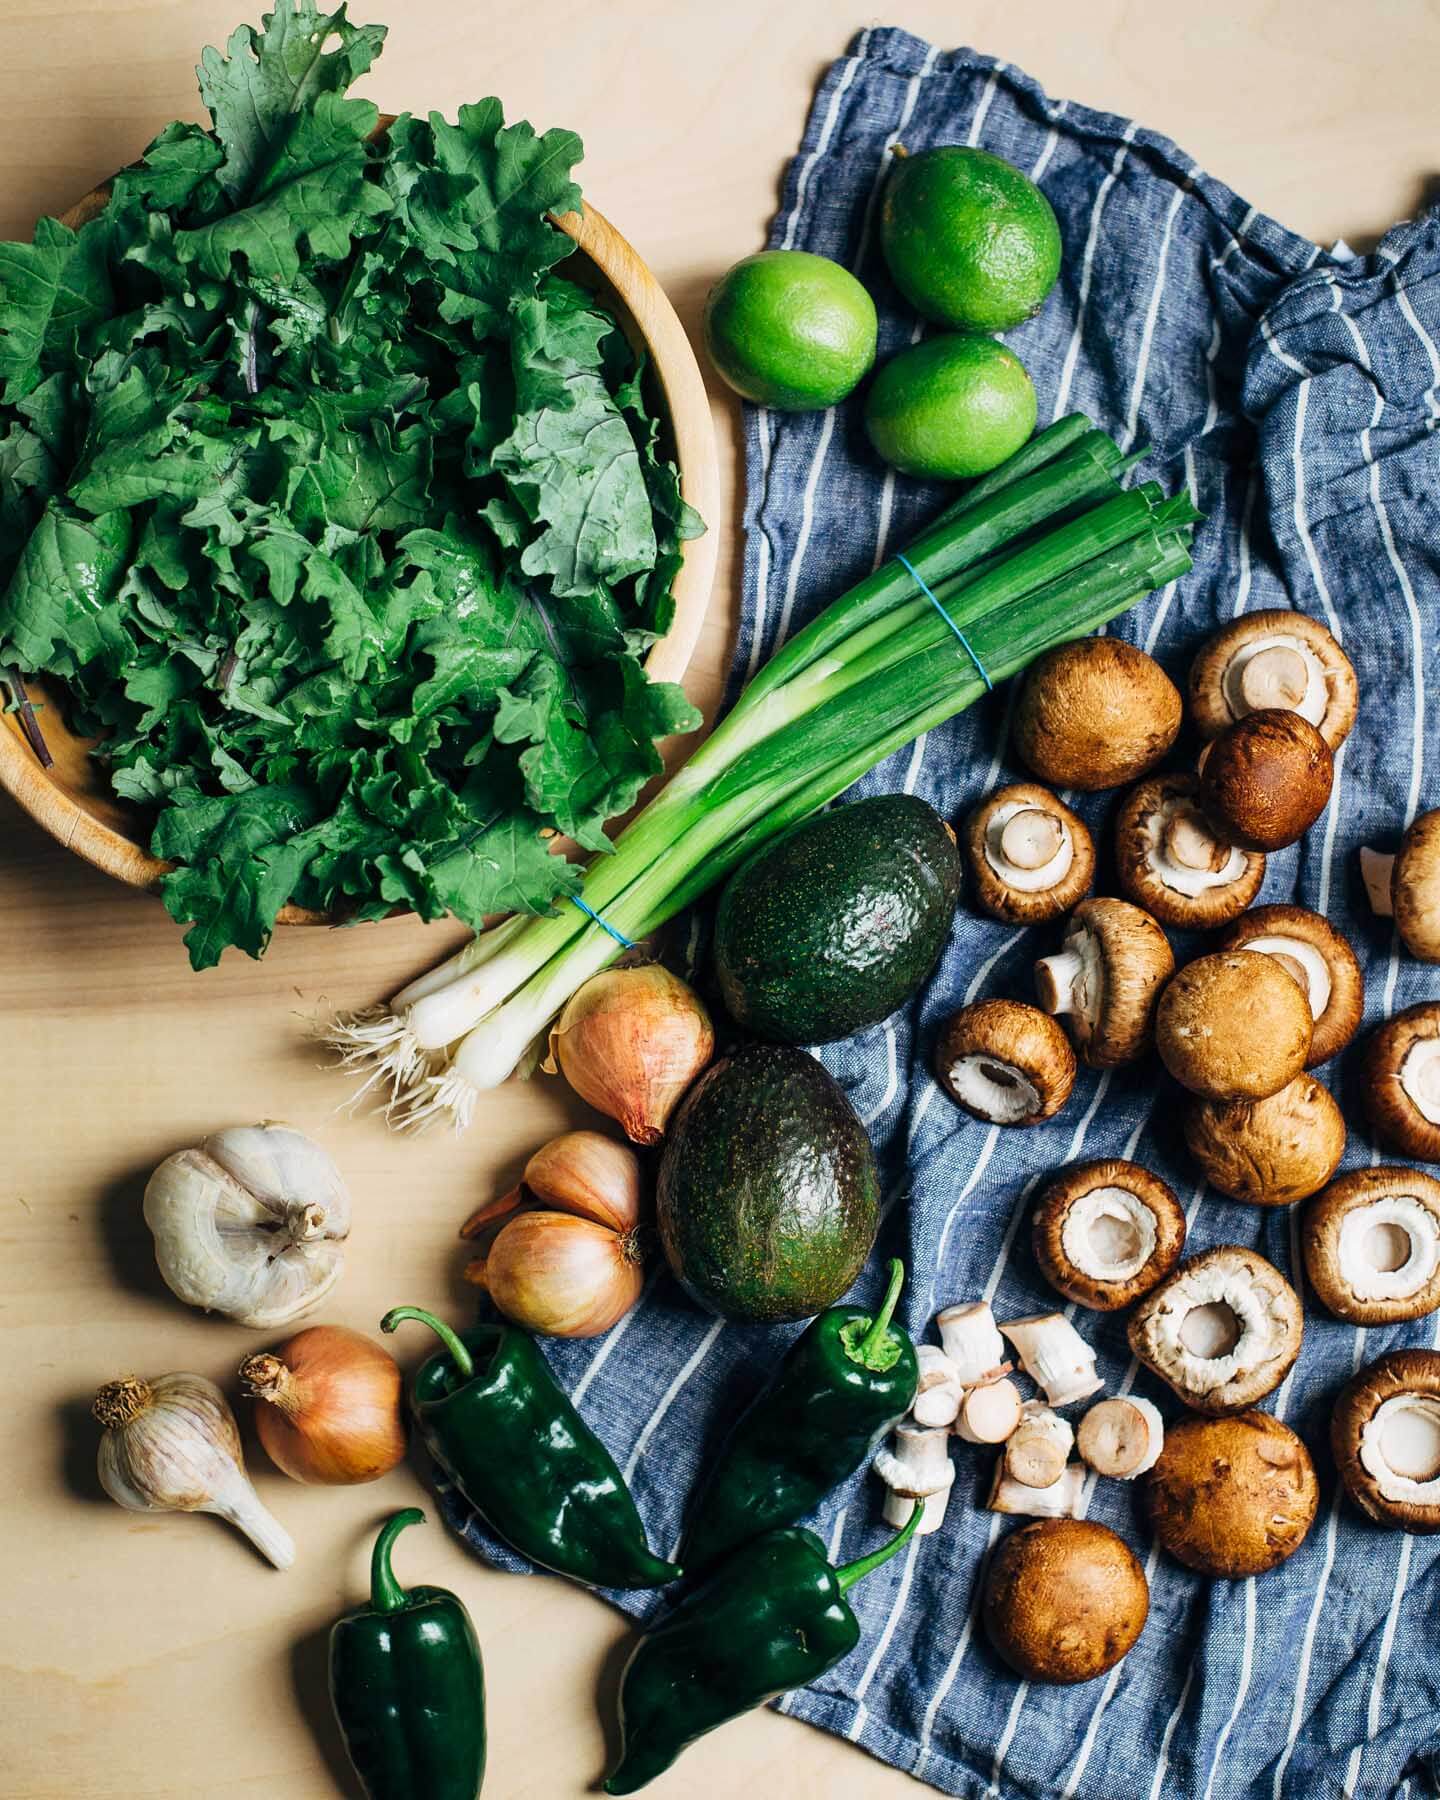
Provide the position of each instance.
(849, 1573)
(386, 1593)
(459, 1355)
(875, 1336)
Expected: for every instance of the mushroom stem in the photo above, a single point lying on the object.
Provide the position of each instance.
(972, 1342)
(1122, 1438)
(989, 1414)
(1275, 676)
(1061, 1500)
(1376, 870)
(1056, 981)
(940, 1390)
(1037, 1450)
(1188, 842)
(918, 1468)
(1030, 838)
(1055, 1356)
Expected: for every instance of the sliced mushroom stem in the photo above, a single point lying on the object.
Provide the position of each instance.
(1121, 1437)
(989, 1414)
(1057, 980)
(940, 1389)
(918, 1468)
(1038, 1449)
(972, 1341)
(1376, 870)
(1061, 1500)
(1030, 838)
(1055, 1356)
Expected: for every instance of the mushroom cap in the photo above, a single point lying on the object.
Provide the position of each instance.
(1402, 1059)
(1334, 984)
(1168, 860)
(1271, 1152)
(1233, 1026)
(1372, 1246)
(1390, 1381)
(1128, 959)
(1128, 1218)
(1266, 779)
(1095, 714)
(1415, 888)
(990, 1051)
(1064, 1600)
(1223, 1330)
(1221, 691)
(1231, 1497)
(1045, 892)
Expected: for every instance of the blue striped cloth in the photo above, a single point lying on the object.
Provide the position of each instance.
(1293, 390)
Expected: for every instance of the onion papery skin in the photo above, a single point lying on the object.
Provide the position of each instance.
(331, 1413)
(563, 1276)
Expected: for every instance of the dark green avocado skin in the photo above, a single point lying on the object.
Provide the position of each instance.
(768, 1197)
(837, 922)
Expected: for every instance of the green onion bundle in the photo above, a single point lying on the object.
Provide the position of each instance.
(1047, 548)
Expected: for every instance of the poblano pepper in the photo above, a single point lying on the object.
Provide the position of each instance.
(843, 1383)
(407, 1686)
(772, 1617)
(498, 1423)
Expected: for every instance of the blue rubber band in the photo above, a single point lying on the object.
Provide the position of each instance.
(920, 582)
(619, 936)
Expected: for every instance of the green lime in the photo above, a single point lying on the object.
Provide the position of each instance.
(971, 242)
(950, 407)
(790, 330)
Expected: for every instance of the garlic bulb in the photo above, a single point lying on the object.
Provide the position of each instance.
(250, 1224)
(172, 1445)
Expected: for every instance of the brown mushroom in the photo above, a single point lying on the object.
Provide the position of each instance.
(1029, 857)
(1106, 1232)
(1269, 659)
(1270, 1152)
(1406, 886)
(1169, 860)
(1231, 1497)
(1006, 1062)
(1105, 980)
(1223, 1330)
(1385, 1432)
(1372, 1246)
(1313, 951)
(1064, 1600)
(1095, 714)
(1266, 779)
(1401, 1081)
(1233, 1026)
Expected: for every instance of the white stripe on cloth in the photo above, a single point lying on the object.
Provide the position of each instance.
(597, 1362)
(1218, 262)
(1302, 527)
(1087, 272)
(1247, 1664)
(1087, 1745)
(1242, 586)
(1052, 138)
(668, 1398)
(1152, 315)
(1162, 1762)
(952, 1669)
(1382, 1665)
(882, 1643)
(827, 130)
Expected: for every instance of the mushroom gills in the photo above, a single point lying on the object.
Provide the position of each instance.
(1301, 960)
(1216, 1326)
(1073, 980)
(1028, 848)
(1184, 855)
(1400, 1447)
(1389, 1248)
(1276, 671)
(1420, 1078)
(1109, 1234)
(1001, 1092)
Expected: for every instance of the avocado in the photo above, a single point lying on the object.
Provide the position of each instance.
(838, 921)
(768, 1196)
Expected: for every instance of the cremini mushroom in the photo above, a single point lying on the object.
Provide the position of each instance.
(1105, 980)
(1060, 1501)
(917, 1468)
(1106, 1232)
(1121, 1437)
(1385, 1432)
(1271, 1152)
(1269, 659)
(1406, 886)
(1006, 1062)
(1038, 1449)
(1401, 1081)
(1064, 1600)
(1095, 714)
(1028, 856)
(939, 1391)
(1231, 1497)
(1233, 1026)
(1372, 1246)
(1266, 779)
(1223, 1330)
(1313, 951)
(973, 1342)
(1055, 1357)
(1169, 859)
(989, 1413)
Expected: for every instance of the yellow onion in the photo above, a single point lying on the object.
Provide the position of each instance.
(332, 1406)
(631, 1041)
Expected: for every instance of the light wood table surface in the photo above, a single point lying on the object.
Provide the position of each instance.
(147, 1659)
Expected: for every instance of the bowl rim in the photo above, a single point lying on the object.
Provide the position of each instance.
(676, 370)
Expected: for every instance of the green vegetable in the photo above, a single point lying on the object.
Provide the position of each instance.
(790, 330)
(844, 1382)
(336, 508)
(950, 407)
(835, 924)
(407, 1686)
(767, 1196)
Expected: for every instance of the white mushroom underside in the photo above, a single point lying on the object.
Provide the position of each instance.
(1189, 1355)
(1317, 687)
(1027, 881)
(1175, 875)
(1317, 970)
(1109, 1234)
(1367, 1235)
(996, 1089)
(1420, 1078)
(1400, 1446)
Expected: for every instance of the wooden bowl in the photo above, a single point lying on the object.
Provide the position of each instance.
(72, 800)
